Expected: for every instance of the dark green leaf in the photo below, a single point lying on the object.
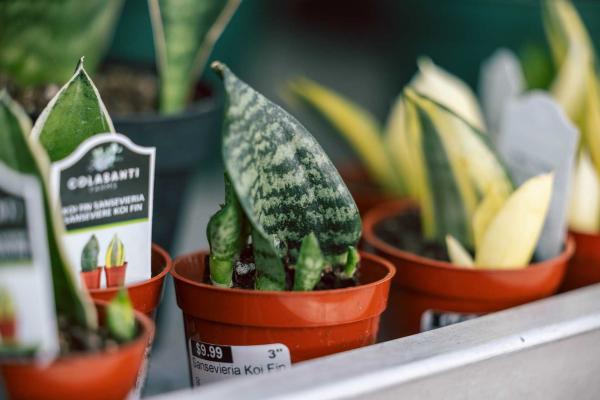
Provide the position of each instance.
(40, 40)
(270, 272)
(75, 114)
(310, 264)
(89, 255)
(286, 184)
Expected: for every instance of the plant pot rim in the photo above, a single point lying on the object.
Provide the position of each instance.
(168, 265)
(587, 235)
(391, 271)
(396, 207)
(145, 334)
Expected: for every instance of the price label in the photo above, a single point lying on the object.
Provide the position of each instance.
(211, 362)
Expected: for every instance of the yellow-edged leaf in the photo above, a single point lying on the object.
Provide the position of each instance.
(457, 253)
(511, 237)
(356, 125)
(448, 90)
(591, 121)
(584, 207)
(486, 211)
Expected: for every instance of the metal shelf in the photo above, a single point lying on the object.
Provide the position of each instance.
(547, 350)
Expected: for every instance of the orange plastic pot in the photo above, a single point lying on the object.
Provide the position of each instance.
(115, 276)
(584, 267)
(8, 330)
(91, 279)
(106, 375)
(428, 293)
(366, 193)
(145, 295)
(310, 324)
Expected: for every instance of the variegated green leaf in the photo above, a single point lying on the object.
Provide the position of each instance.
(89, 255)
(352, 261)
(120, 317)
(310, 264)
(185, 32)
(75, 114)
(270, 271)
(115, 253)
(26, 156)
(41, 39)
(284, 181)
(7, 307)
(225, 232)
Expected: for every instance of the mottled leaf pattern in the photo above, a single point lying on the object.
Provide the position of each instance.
(285, 182)
(185, 32)
(270, 272)
(40, 40)
(26, 156)
(75, 114)
(120, 317)
(115, 253)
(225, 232)
(310, 264)
(89, 255)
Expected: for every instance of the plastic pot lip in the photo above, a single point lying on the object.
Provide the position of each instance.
(147, 331)
(393, 208)
(586, 235)
(391, 271)
(168, 265)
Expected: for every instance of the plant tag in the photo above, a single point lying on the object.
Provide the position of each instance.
(213, 362)
(433, 319)
(105, 189)
(536, 137)
(27, 314)
(501, 79)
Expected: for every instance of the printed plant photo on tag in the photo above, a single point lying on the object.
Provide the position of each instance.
(27, 322)
(105, 189)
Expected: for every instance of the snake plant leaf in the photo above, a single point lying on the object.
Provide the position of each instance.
(89, 255)
(27, 157)
(225, 232)
(356, 125)
(446, 196)
(120, 317)
(75, 114)
(7, 307)
(185, 32)
(310, 264)
(572, 52)
(286, 184)
(40, 39)
(352, 261)
(512, 235)
(584, 207)
(448, 90)
(457, 253)
(487, 209)
(270, 271)
(115, 253)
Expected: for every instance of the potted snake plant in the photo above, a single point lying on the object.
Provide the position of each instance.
(283, 280)
(108, 338)
(170, 109)
(90, 270)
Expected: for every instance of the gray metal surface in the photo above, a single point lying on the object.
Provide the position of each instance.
(544, 350)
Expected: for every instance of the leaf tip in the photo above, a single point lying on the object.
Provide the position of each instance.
(219, 68)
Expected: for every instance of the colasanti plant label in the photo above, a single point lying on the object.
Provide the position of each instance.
(212, 362)
(27, 319)
(105, 192)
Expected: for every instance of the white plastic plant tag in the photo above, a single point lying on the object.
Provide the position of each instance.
(212, 362)
(27, 314)
(105, 189)
(434, 319)
(500, 80)
(536, 137)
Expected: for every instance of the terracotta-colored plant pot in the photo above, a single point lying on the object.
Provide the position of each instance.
(115, 276)
(145, 295)
(91, 279)
(310, 324)
(428, 293)
(109, 374)
(584, 267)
(366, 193)
(8, 330)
